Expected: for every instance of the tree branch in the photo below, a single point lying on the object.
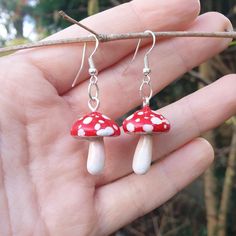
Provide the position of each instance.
(114, 37)
(228, 185)
(73, 21)
(197, 76)
(210, 182)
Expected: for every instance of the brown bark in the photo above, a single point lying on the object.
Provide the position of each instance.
(115, 37)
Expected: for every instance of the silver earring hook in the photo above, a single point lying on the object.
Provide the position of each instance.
(92, 68)
(146, 64)
(146, 69)
(93, 90)
(81, 66)
(146, 89)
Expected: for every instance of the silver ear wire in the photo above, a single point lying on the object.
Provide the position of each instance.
(146, 69)
(92, 69)
(136, 50)
(81, 66)
(146, 83)
(93, 90)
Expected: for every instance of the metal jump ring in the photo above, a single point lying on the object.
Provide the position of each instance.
(93, 107)
(93, 88)
(145, 97)
(93, 79)
(146, 79)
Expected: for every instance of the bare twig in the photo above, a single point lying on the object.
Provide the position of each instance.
(175, 230)
(155, 223)
(228, 185)
(210, 200)
(221, 66)
(198, 77)
(73, 21)
(207, 74)
(115, 37)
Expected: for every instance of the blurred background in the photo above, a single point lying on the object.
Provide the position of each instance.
(208, 206)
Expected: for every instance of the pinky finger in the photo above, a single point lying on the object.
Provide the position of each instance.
(128, 198)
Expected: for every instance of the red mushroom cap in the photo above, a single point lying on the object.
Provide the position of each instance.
(146, 121)
(95, 124)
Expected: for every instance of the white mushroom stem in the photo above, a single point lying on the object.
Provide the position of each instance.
(96, 156)
(143, 155)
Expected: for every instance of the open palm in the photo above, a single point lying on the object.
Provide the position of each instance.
(44, 186)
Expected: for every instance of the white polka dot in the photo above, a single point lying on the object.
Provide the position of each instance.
(101, 121)
(80, 126)
(115, 127)
(81, 132)
(137, 120)
(130, 127)
(108, 131)
(156, 121)
(148, 128)
(140, 113)
(105, 117)
(130, 117)
(97, 126)
(146, 118)
(165, 126)
(161, 117)
(151, 115)
(87, 120)
(97, 116)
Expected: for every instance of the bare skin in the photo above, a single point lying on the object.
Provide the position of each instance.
(44, 186)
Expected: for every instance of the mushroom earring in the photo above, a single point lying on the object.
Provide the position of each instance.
(145, 121)
(94, 126)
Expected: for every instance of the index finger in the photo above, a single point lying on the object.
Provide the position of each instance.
(61, 63)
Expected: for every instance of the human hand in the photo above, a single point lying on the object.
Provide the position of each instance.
(45, 188)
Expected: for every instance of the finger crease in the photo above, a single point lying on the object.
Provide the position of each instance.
(137, 197)
(193, 116)
(185, 63)
(172, 183)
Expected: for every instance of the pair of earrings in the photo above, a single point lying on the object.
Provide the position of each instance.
(95, 126)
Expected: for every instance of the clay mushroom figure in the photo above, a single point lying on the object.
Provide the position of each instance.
(94, 127)
(145, 122)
